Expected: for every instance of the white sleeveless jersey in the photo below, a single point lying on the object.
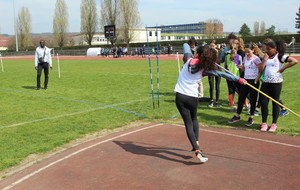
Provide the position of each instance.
(273, 64)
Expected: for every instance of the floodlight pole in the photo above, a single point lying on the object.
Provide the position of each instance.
(16, 33)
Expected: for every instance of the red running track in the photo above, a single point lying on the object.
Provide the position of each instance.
(158, 156)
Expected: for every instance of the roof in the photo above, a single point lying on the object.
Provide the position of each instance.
(4, 41)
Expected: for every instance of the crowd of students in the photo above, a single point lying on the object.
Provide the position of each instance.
(262, 66)
(247, 68)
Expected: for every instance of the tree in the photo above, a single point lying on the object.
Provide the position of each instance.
(60, 22)
(89, 22)
(24, 28)
(256, 28)
(298, 21)
(245, 31)
(262, 28)
(270, 31)
(109, 15)
(129, 19)
(213, 27)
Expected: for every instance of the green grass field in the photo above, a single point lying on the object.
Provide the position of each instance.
(99, 94)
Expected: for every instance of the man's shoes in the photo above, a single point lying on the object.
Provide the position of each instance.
(234, 119)
(249, 122)
(38, 88)
(283, 112)
(46, 88)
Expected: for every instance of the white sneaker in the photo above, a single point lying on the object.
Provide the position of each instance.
(201, 157)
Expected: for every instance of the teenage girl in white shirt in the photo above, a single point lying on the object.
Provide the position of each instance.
(187, 89)
(250, 67)
(273, 65)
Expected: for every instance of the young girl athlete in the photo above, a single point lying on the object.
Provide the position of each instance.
(273, 65)
(250, 66)
(187, 90)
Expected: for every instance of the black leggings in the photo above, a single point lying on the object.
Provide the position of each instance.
(273, 90)
(187, 107)
(253, 94)
(259, 99)
(211, 80)
(233, 87)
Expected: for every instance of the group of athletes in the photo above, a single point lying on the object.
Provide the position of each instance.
(247, 69)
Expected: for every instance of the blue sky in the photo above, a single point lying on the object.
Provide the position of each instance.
(232, 13)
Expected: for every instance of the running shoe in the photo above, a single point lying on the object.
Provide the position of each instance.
(283, 112)
(211, 104)
(273, 128)
(201, 157)
(234, 119)
(264, 127)
(233, 109)
(217, 105)
(256, 113)
(247, 107)
(249, 122)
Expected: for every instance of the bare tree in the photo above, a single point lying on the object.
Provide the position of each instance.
(297, 25)
(256, 28)
(89, 22)
(129, 19)
(109, 15)
(24, 28)
(214, 27)
(262, 28)
(60, 22)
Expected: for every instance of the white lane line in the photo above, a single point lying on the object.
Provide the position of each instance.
(252, 138)
(75, 153)
(70, 114)
(246, 137)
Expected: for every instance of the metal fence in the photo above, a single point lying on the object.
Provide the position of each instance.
(293, 49)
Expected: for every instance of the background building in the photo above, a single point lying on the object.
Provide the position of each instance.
(200, 30)
(139, 35)
(203, 28)
(4, 42)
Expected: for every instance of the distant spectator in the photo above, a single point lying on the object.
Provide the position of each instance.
(193, 44)
(169, 49)
(144, 51)
(293, 41)
(214, 81)
(42, 62)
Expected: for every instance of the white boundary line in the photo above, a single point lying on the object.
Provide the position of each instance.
(252, 138)
(70, 114)
(249, 138)
(73, 154)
